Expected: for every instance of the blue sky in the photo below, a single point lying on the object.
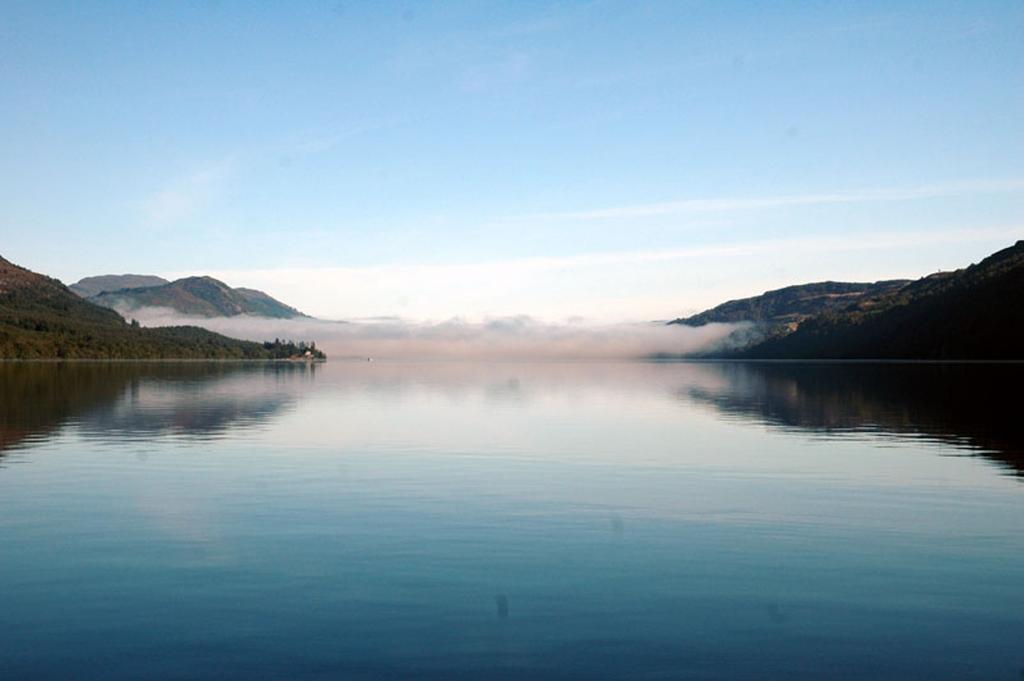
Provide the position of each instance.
(606, 160)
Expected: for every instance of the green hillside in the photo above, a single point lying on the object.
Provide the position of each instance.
(93, 286)
(40, 318)
(197, 297)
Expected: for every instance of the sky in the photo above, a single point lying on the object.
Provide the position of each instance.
(606, 161)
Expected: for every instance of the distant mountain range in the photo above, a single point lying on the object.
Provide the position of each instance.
(971, 313)
(42, 318)
(191, 296)
(93, 286)
(975, 313)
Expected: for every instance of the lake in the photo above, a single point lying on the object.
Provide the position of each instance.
(446, 520)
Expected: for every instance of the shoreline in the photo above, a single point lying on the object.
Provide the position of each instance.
(504, 360)
(190, 360)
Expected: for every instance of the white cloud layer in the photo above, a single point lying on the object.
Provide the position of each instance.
(612, 287)
(505, 338)
(691, 206)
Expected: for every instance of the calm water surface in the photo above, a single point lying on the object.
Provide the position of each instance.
(448, 520)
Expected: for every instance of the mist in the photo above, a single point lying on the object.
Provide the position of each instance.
(518, 337)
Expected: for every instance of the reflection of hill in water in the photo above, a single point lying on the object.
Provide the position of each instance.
(192, 399)
(972, 407)
(967, 405)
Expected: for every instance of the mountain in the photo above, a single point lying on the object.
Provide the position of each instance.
(40, 318)
(972, 313)
(262, 305)
(93, 286)
(197, 297)
(782, 310)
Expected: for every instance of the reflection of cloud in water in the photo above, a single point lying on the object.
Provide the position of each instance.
(511, 381)
(964, 406)
(128, 402)
(187, 409)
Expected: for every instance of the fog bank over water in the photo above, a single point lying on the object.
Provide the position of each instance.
(519, 337)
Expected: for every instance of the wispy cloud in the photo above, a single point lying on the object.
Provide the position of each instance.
(183, 196)
(720, 205)
(612, 286)
(790, 246)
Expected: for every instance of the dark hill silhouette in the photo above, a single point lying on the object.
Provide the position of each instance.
(972, 313)
(783, 309)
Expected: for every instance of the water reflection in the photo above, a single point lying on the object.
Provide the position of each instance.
(128, 400)
(508, 520)
(972, 407)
